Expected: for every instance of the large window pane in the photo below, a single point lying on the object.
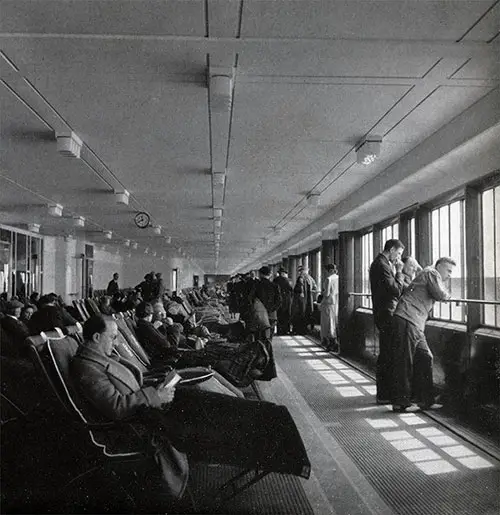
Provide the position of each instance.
(447, 228)
(5, 260)
(367, 258)
(21, 265)
(491, 254)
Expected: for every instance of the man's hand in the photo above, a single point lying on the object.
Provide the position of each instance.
(166, 394)
(398, 265)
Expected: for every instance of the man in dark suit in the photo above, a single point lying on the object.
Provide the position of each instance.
(15, 332)
(284, 312)
(269, 294)
(386, 282)
(157, 345)
(220, 428)
(48, 317)
(113, 285)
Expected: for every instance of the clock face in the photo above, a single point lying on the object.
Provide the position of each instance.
(142, 219)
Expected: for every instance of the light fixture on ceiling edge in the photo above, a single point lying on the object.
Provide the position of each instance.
(368, 150)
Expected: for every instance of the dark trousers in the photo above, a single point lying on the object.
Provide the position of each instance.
(412, 365)
(385, 358)
(284, 320)
(217, 428)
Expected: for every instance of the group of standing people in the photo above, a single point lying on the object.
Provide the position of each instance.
(403, 295)
(290, 308)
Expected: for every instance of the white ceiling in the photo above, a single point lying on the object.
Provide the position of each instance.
(311, 79)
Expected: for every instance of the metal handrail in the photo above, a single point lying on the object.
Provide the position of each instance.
(457, 301)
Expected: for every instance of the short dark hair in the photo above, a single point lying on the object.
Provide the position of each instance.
(143, 309)
(448, 260)
(46, 299)
(389, 244)
(94, 324)
(330, 267)
(265, 270)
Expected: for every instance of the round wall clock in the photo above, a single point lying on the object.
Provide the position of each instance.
(142, 219)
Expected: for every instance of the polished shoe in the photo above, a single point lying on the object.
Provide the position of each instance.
(383, 401)
(433, 406)
(411, 408)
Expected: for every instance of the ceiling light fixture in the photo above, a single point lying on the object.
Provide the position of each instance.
(122, 197)
(78, 221)
(221, 88)
(218, 223)
(157, 229)
(34, 227)
(134, 245)
(368, 150)
(55, 210)
(168, 239)
(217, 212)
(69, 144)
(108, 234)
(313, 199)
(126, 243)
(218, 178)
(146, 250)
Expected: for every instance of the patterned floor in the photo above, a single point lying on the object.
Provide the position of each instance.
(413, 463)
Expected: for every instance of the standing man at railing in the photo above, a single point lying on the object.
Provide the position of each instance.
(386, 282)
(412, 356)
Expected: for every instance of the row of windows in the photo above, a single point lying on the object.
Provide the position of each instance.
(447, 238)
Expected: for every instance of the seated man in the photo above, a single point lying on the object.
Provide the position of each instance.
(14, 330)
(49, 316)
(207, 426)
(157, 345)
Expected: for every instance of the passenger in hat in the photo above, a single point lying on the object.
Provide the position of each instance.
(48, 317)
(14, 331)
(27, 312)
(303, 301)
(284, 312)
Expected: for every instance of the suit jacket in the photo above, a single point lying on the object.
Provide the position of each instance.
(112, 288)
(16, 330)
(420, 296)
(112, 388)
(386, 287)
(46, 319)
(286, 292)
(156, 345)
(269, 294)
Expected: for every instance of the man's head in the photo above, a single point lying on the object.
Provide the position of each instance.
(14, 308)
(301, 270)
(393, 249)
(331, 268)
(445, 266)
(144, 310)
(47, 300)
(264, 271)
(159, 312)
(410, 266)
(158, 275)
(27, 312)
(115, 276)
(282, 272)
(100, 333)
